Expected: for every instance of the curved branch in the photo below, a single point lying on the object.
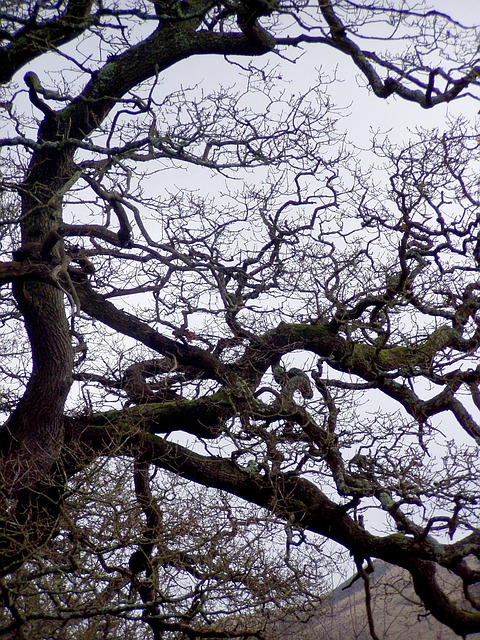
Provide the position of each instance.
(390, 86)
(101, 309)
(35, 38)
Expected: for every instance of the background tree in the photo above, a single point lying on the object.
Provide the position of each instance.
(293, 340)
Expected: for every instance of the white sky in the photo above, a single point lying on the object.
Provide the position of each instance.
(364, 113)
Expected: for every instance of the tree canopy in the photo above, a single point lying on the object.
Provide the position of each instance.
(228, 340)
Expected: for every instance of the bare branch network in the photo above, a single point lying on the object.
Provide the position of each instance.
(204, 385)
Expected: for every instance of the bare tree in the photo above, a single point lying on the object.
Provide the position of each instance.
(305, 342)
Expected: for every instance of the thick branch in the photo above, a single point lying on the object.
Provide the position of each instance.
(203, 418)
(389, 86)
(11, 271)
(165, 47)
(101, 309)
(36, 38)
(293, 497)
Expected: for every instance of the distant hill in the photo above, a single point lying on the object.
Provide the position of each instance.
(397, 612)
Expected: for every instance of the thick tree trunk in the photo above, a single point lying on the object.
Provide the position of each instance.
(31, 441)
(33, 436)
